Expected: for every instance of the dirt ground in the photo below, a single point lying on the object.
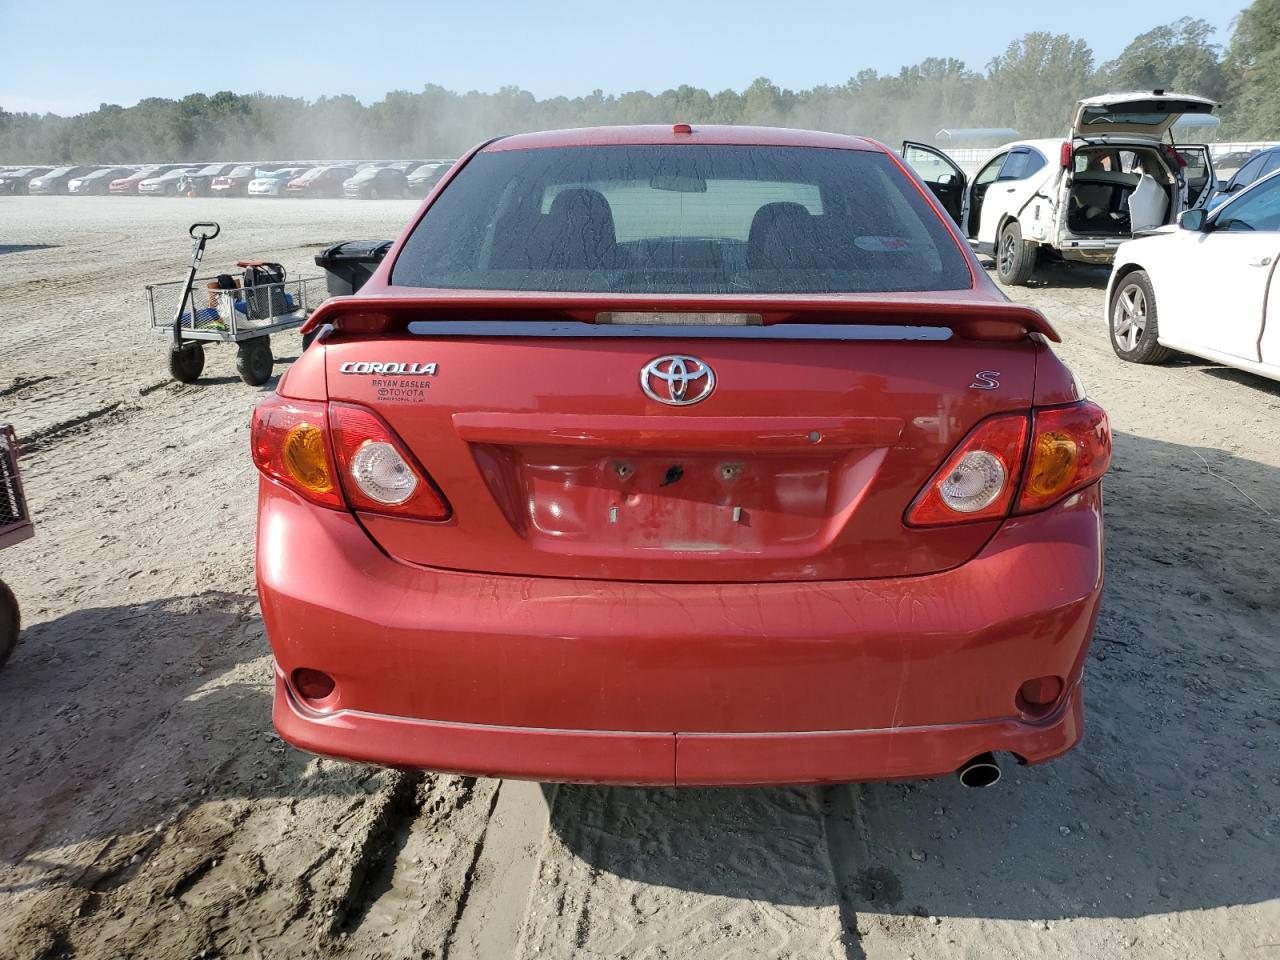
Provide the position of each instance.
(147, 810)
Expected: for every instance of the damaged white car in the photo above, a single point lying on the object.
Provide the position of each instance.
(1076, 199)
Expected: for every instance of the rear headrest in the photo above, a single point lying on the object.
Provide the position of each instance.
(580, 229)
(776, 229)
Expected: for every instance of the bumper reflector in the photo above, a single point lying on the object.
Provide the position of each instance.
(313, 685)
(1039, 696)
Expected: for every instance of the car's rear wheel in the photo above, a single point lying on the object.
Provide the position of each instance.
(1135, 328)
(1015, 258)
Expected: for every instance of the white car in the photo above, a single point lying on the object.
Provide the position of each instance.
(1208, 286)
(272, 184)
(1076, 199)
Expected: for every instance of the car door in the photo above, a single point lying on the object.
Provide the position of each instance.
(1017, 181)
(1198, 172)
(1228, 269)
(1269, 339)
(941, 175)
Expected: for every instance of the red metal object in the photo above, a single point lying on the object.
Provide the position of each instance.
(723, 593)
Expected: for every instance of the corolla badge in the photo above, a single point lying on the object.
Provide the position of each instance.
(390, 368)
(677, 380)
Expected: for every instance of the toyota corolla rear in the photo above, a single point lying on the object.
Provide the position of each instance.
(658, 455)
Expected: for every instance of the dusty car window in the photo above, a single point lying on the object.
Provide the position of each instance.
(690, 219)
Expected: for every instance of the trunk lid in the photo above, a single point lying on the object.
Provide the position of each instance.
(798, 465)
(1149, 113)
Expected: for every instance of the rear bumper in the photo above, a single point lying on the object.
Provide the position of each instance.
(624, 682)
(685, 759)
(1092, 250)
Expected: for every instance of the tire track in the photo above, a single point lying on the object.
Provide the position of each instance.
(418, 875)
(491, 917)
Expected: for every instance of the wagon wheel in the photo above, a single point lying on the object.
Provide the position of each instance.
(10, 623)
(254, 361)
(186, 362)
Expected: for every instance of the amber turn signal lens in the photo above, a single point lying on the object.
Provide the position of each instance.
(1070, 449)
(305, 458)
(1053, 464)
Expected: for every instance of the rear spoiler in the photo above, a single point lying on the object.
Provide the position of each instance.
(975, 320)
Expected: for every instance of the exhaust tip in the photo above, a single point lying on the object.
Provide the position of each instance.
(980, 772)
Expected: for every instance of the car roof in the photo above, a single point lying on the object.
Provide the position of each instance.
(702, 134)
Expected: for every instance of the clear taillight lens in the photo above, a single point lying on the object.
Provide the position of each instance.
(976, 482)
(381, 473)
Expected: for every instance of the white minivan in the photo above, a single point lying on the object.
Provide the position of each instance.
(1076, 199)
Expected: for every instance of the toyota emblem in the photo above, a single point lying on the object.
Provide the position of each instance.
(677, 380)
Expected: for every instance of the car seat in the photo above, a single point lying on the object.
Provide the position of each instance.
(1148, 204)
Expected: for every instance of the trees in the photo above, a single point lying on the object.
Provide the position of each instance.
(1253, 66)
(1177, 56)
(1033, 84)
(1031, 87)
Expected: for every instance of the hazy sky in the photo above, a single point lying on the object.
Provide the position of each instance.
(68, 57)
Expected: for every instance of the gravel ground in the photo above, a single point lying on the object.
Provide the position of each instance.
(149, 811)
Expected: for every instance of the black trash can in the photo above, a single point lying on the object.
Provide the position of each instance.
(349, 264)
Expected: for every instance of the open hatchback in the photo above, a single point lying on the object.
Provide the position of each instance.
(1077, 199)
(680, 455)
(1150, 114)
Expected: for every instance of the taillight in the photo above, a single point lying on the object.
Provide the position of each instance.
(378, 474)
(339, 455)
(1070, 449)
(986, 479)
(289, 440)
(979, 479)
(1064, 155)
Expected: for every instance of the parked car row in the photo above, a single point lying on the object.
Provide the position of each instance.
(369, 180)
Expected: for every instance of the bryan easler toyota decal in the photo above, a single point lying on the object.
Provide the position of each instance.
(396, 382)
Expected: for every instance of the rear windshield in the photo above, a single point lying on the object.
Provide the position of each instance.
(682, 219)
(1103, 116)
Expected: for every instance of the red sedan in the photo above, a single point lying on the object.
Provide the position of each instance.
(692, 455)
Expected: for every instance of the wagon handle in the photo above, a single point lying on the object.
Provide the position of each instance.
(203, 235)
